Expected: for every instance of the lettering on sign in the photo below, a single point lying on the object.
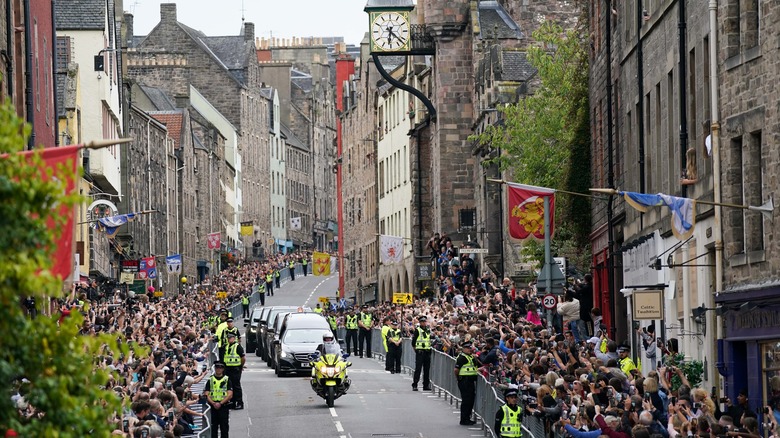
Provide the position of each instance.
(648, 305)
(549, 301)
(758, 319)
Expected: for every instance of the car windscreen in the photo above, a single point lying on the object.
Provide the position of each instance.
(304, 336)
(256, 316)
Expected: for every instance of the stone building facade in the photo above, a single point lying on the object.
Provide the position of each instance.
(358, 167)
(146, 186)
(298, 194)
(225, 71)
(652, 153)
(748, 60)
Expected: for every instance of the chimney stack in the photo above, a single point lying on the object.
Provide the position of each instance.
(168, 13)
(128, 19)
(249, 31)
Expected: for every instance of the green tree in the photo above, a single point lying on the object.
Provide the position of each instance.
(51, 365)
(545, 137)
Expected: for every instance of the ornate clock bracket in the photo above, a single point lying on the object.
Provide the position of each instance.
(408, 88)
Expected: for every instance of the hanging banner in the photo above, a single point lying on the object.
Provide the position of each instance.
(247, 228)
(321, 262)
(173, 263)
(148, 268)
(683, 217)
(391, 249)
(214, 240)
(126, 277)
(526, 211)
(295, 223)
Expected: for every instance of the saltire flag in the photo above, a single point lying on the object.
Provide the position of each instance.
(321, 262)
(391, 249)
(683, 210)
(526, 211)
(63, 161)
(295, 223)
(110, 225)
(173, 262)
(214, 240)
(148, 268)
(247, 228)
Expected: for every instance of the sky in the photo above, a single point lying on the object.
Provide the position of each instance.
(278, 18)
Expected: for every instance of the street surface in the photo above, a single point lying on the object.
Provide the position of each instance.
(378, 403)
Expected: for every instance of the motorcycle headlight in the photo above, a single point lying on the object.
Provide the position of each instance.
(328, 371)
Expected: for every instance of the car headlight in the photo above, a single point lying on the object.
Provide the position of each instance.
(252, 329)
(284, 354)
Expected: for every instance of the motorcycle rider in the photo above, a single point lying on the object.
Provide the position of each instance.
(329, 345)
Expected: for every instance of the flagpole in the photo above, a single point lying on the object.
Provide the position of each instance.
(547, 255)
(501, 181)
(767, 208)
(136, 213)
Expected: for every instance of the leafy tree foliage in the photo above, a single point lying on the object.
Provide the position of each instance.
(50, 364)
(545, 137)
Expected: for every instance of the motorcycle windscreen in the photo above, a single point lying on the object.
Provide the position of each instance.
(332, 349)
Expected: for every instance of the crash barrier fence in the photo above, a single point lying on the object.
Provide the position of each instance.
(445, 385)
(236, 310)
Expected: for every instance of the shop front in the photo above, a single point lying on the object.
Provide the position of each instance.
(749, 352)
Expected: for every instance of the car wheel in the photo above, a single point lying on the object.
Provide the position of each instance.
(258, 352)
(249, 348)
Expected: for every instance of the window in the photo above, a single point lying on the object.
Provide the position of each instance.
(770, 365)
(468, 218)
(63, 53)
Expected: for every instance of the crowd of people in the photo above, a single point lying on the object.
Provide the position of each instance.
(569, 373)
(179, 333)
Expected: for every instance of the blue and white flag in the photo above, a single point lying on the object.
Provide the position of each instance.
(173, 263)
(683, 210)
(110, 225)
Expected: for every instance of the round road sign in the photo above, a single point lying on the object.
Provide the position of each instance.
(549, 301)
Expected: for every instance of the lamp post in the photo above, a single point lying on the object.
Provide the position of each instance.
(182, 283)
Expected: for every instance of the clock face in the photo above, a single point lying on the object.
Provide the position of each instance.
(390, 31)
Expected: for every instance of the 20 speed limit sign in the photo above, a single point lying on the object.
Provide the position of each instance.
(549, 301)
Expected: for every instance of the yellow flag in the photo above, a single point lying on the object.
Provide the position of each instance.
(321, 263)
(247, 228)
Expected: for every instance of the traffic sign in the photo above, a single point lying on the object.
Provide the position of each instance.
(402, 298)
(549, 301)
(221, 295)
(473, 251)
(323, 300)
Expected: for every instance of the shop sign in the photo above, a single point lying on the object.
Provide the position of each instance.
(648, 305)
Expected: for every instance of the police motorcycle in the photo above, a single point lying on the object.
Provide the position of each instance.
(329, 370)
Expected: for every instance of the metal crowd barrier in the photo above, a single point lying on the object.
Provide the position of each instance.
(445, 384)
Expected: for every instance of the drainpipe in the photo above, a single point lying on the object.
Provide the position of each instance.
(610, 176)
(149, 177)
(54, 73)
(640, 77)
(28, 79)
(682, 33)
(715, 140)
(9, 49)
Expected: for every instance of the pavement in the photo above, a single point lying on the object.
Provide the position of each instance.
(378, 404)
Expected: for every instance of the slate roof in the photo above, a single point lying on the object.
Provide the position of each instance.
(80, 14)
(137, 40)
(391, 63)
(292, 140)
(232, 50)
(267, 92)
(158, 97)
(495, 21)
(173, 121)
(515, 66)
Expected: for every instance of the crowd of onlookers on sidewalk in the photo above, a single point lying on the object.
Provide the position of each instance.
(157, 390)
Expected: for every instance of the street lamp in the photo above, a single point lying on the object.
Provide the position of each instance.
(182, 283)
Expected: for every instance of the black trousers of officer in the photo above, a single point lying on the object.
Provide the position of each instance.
(468, 392)
(305, 270)
(393, 361)
(278, 281)
(422, 363)
(245, 308)
(352, 337)
(292, 274)
(365, 335)
(269, 287)
(234, 373)
(262, 299)
(220, 421)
